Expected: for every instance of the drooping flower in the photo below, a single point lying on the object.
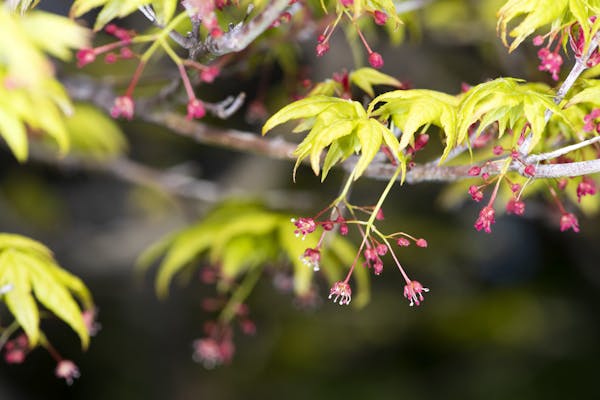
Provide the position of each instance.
(515, 206)
(403, 242)
(16, 350)
(207, 352)
(569, 221)
(375, 60)
(550, 61)
(304, 226)
(587, 186)
(89, 318)
(379, 17)
(342, 292)
(123, 107)
(421, 242)
(195, 109)
(67, 370)
(312, 258)
(322, 48)
(476, 193)
(209, 74)
(486, 219)
(413, 291)
(85, 56)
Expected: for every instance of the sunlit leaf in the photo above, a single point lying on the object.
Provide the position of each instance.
(31, 271)
(412, 109)
(366, 78)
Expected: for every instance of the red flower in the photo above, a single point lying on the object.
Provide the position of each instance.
(67, 370)
(587, 186)
(515, 206)
(375, 60)
(413, 291)
(304, 226)
(569, 221)
(550, 62)
(475, 193)
(486, 219)
(85, 56)
(403, 242)
(195, 109)
(311, 258)
(123, 106)
(322, 48)
(342, 292)
(379, 17)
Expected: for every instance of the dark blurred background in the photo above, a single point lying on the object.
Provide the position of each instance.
(510, 315)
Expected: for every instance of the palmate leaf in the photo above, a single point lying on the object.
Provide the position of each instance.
(33, 274)
(509, 102)
(366, 78)
(589, 94)
(539, 13)
(239, 238)
(32, 99)
(412, 109)
(342, 124)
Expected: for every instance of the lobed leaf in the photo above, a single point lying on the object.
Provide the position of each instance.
(537, 13)
(28, 266)
(308, 107)
(366, 78)
(412, 109)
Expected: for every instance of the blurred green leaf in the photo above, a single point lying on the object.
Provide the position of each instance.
(29, 268)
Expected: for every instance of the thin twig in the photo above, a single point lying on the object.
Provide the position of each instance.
(559, 152)
(576, 71)
(238, 38)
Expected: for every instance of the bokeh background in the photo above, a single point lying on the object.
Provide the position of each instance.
(510, 315)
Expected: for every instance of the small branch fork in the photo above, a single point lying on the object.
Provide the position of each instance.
(236, 39)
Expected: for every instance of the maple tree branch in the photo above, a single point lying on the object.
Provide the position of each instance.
(279, 148)
(241, 35)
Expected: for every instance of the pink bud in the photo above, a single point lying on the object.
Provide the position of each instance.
(85, 56)
(538, 40)
(322, 48)
(375, 60)
(379, 17)
(421, 242)
(474, 171)
(403, 242)
(529, 170)
(195, 109)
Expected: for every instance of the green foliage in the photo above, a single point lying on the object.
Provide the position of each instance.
(509, 102)
(29, 268)
(240, 238)
(413, 109)
(342, 124)
(112, 9)
(93, 134)
(539, 13)
(31, 99)
(364, 78)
